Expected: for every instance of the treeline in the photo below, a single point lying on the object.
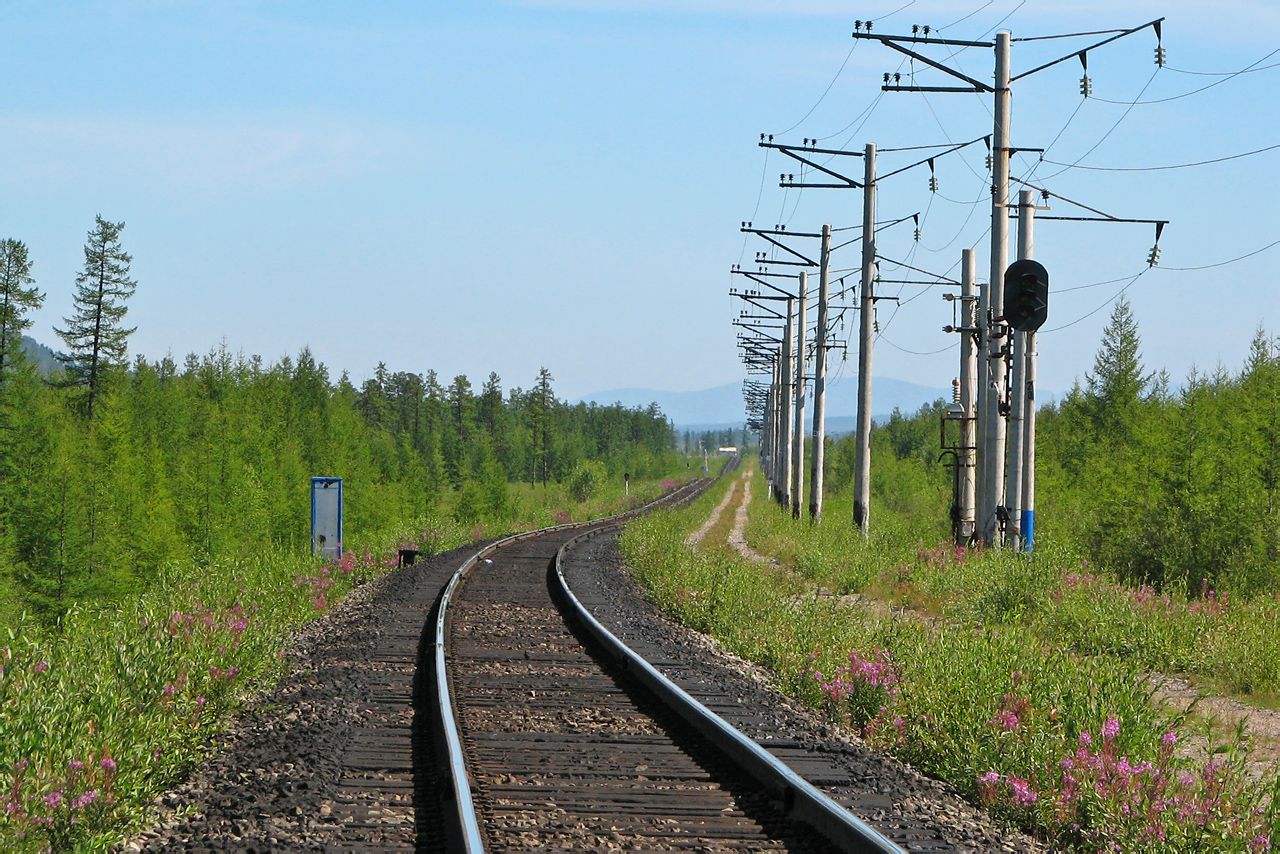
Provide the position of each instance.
(111, 471)
(214, 458)
(1171, 487)
(1176, 487)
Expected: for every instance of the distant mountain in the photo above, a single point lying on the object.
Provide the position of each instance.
(43, 356)
(721, 407)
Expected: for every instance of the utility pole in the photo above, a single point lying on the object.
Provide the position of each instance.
(806, 155)
(992, 425)
(862, 460)
(991, 379)
(968, 389)
(1018, 439)
(784, 483)
(797, 473)
(1028, 516)
(820, 379)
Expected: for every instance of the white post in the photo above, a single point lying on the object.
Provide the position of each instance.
(1027, 514)
(784, 472)
(993, 446)
(862, 461)
(797, 471)
(968, 387)
(820, 379)
(1018, 386)
(766, 434)
(1029, 467)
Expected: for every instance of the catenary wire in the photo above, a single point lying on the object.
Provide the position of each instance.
(1112, 299)
(1225, 79)
(1224, 263)
(1110, 130)
(1163, 168)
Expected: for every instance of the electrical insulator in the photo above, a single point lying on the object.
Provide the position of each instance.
(990, 161)
(1153, 257)
(917, 235)
(1160, 57)
(933, 184)
(1086, 86)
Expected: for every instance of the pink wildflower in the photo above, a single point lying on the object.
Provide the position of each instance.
(1023, 794)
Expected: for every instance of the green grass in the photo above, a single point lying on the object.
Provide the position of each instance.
(110, 707)
(1054, 731)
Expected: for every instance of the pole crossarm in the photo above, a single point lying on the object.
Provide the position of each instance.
(925, 40)
(896, 43)
(789, 149)
(939, 279)
(977, 86)
(782, 232)
(962, 89)
(808, 262)
(1102, 216)
(755, 278)
(1155, 25)
(933, 157)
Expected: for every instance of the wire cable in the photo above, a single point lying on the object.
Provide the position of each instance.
(1225, 79)
(966, 17)
(826, 91)
(1110, 131)
(916, 352)
(1163, 168)
(1224, 263)
(1112, 299)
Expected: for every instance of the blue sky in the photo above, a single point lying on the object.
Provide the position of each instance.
(501, 186)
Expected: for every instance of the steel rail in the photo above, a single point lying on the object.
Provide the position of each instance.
(466, 826)
(801, 800)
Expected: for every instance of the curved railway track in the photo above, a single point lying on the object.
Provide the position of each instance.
(566, 746)
(560, 738)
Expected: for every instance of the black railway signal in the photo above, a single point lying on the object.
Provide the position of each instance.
(1026, 295)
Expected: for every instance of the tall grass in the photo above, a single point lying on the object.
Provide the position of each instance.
(112, 704)
(1063, 742)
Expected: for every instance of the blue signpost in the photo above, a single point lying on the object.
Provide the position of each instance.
(326, 517)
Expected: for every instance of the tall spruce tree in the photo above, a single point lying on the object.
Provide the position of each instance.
(94, 335)
(16, 299)
(1118, 381)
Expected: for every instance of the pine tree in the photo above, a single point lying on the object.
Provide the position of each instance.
(1118, 380)
(543, 400)
(15, 300)
(94, 334)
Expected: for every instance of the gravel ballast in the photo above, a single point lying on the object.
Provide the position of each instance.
(293, 772)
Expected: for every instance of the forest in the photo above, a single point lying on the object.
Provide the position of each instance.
(113, 469)
(1171, 485)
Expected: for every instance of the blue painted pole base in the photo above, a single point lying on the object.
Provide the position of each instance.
(1028, 530)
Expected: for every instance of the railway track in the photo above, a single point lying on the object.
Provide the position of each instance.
(562, 739)
(565, 747)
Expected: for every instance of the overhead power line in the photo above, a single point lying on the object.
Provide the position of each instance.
(1224, 263)
(1162, 168)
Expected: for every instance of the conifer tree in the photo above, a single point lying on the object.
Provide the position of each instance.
(16, 299)
(94, 334)
(1118, 380)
